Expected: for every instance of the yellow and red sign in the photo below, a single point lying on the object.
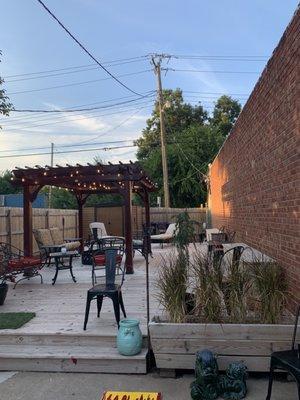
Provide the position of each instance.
(131, 396)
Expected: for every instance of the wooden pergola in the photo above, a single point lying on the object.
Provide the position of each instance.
(82, 181)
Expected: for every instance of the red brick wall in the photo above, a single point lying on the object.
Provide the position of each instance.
(255, 183)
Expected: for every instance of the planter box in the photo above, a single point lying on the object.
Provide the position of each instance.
(175, 345)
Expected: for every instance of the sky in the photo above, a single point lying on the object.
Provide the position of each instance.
(219, 47)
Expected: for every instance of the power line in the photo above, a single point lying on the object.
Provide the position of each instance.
(80, 109)
(217, 93)
(30, 116)
(67, 151)
(91, 67)
(77, 83)
(74, 67)
(69, 145)
(85, 49)
(95, 114)
(210, 71)
(220, 57)
(117, 126)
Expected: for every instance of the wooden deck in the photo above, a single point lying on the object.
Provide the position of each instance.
(55, 341)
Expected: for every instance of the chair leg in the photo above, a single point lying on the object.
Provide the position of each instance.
(271, 377)
(99, 304)
(93, 276)
(122, 304)
(87, 310)
(116, 303)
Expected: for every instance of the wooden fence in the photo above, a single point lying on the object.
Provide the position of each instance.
(113, 217)
(11, 220)
(11, 223)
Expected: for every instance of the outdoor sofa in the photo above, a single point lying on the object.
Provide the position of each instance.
(53, 237)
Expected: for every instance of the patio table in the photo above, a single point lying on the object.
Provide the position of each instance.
(60, 265)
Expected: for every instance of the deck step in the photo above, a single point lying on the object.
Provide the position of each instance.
(66, 358)
(85, 338)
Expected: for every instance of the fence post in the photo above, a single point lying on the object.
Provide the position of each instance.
(63, 226)
(47, 219)
(8, 227)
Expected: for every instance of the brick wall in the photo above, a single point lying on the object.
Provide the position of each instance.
(255, 183)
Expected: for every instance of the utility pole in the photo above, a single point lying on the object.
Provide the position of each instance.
(51, 164)
(156, 61)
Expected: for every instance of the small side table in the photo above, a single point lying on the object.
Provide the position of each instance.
(59, 262)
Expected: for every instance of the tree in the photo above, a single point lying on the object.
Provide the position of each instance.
(188, 159)
(5, 105)
(225, 114)
(192, 139)
(178, 115)
(5, 184)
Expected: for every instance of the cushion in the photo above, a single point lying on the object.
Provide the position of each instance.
(71, 245)
(43, 237)
(24, 262)
(162, 237)
(101, 230)
(100, 259)
(57, 236)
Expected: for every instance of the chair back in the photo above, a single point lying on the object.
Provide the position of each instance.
(209, 233)
(171, 229)
(43, 237)
(218, 237)
(230, 258)
(110, 266)
(295, 327)
(101, 230)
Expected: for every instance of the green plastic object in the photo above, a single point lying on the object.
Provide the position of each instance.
(130, 338)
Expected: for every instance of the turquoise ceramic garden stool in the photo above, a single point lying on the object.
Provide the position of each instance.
(130, 338)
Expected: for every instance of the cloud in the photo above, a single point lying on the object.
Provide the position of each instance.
(206, 80)
(100, 129)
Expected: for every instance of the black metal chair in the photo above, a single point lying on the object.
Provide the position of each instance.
(288, 361)
(143, 245)
(108, 289)
(95, 254)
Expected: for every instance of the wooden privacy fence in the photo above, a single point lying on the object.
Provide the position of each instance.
(164, 214)
(113, 217)
(11, 220)
(11, 223)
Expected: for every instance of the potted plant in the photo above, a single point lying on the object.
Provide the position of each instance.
(239, 315)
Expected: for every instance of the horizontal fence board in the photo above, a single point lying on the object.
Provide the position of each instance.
(187, 361)
(175, 345)
(220, 347)
(11, 223)
(222, 331)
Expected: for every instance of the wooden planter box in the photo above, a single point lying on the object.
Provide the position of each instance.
(175, 345)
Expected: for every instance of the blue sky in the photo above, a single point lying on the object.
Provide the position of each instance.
(112, 30)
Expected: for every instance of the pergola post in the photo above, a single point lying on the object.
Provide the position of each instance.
(27, 221)
(128, 227)
(81, 199)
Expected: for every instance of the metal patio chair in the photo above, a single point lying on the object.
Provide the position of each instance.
(109, 289)
(288, 361)
(13, 262)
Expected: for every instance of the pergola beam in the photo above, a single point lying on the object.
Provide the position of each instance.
(84, 180)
